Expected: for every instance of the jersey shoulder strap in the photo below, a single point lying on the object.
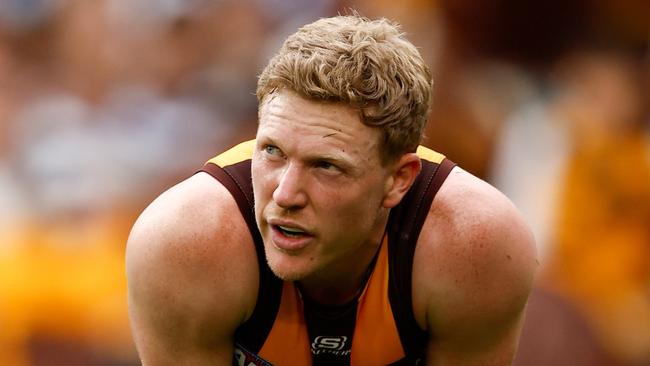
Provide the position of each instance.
(233, 169)
(404, 225)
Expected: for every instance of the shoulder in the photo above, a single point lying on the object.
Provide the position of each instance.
(190, 255)
(475, 259)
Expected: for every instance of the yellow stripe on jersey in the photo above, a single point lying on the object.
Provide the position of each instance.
(288, 342)
(430, 155)
(235, 155)
(244, 151)
(376, 339)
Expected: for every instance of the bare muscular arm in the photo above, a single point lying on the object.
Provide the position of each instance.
(473, 272)
(192, 275)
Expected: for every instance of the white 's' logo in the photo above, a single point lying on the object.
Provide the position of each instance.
(329, 343)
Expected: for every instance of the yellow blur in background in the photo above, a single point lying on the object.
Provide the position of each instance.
(106, 103)
(63, 284)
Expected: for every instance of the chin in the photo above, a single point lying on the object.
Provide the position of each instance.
(287, 268)
(288, 276)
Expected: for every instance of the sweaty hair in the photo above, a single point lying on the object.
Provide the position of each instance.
(367, 64)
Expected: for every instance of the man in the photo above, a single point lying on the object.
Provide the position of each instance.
(318, 242)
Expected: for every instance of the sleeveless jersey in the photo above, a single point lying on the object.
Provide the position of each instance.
(376, 328)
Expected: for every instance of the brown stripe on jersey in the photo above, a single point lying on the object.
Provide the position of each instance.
(443, 171)
(403, 229)
(237, 179)
(404, 226)
(239, 193)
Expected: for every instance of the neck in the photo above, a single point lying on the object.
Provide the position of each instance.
(350, 281)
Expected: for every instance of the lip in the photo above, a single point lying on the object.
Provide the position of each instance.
(288, 223)
(287, 244)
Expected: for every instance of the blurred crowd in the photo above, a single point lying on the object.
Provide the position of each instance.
(105, 103)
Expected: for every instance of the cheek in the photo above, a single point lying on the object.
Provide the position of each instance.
(261, 185)
(260, 175)
(356, 211)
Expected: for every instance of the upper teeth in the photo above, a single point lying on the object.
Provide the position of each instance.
(289, 229)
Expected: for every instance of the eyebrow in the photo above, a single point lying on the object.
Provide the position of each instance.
(327, 157)
(347, 165)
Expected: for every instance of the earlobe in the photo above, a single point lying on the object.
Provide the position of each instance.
(406, 169)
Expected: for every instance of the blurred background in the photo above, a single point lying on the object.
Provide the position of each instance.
(105, 103)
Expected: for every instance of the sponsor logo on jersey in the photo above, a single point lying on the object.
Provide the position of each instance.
(244, 357)
(335, 345)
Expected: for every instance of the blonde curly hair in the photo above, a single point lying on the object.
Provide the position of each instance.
(365, 63)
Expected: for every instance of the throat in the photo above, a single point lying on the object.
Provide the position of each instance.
(331, 311)
(326, 297)
(342, 294)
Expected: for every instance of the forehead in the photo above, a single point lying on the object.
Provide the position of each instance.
(287, 115)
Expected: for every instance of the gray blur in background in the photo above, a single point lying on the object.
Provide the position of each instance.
(106, 103)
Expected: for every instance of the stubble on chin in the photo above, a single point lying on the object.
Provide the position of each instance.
(283, 271)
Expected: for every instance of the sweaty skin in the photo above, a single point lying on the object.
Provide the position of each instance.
(321, 194)
(322, 201)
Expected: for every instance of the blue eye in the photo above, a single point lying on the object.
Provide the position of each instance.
(326, 165)
(271, 150)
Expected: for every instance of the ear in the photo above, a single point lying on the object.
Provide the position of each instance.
(404, 172)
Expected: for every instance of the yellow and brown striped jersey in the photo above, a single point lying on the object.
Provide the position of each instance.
(376, 328)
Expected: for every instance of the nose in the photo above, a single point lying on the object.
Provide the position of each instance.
(289, 193)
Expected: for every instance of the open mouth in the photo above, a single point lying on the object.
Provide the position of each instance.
(290, 232)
